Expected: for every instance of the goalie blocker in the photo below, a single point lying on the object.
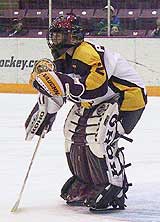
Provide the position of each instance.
(42, 116)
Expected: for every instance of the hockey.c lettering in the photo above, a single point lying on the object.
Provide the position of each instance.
(17, 63)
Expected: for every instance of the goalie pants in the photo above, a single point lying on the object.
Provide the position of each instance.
(89, 134)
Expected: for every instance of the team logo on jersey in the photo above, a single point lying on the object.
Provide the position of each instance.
(102, 108)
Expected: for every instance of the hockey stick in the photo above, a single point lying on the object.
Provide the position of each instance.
(16, 205)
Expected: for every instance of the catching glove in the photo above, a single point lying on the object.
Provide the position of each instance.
(42, 65)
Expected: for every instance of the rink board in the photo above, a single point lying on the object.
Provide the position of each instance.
(28, 89)
(18, 56)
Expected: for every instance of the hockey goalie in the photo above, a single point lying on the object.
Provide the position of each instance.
(108, 99)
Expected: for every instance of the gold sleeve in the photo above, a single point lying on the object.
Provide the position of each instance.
(133, 97)
(97, 75)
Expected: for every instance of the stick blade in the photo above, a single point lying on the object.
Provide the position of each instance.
(15, 207)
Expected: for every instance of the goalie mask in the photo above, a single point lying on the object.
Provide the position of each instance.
(64, 33)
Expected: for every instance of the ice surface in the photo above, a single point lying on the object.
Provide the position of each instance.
(40, 200)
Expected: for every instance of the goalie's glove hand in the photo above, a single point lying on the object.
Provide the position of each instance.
(51, 83)
(42, 65)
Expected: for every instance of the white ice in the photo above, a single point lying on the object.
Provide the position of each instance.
(41, 201)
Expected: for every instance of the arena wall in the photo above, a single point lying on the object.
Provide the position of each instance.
(18, 55)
